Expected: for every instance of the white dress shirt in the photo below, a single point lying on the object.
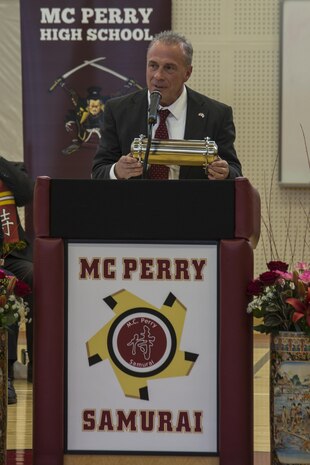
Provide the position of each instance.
(175, 124)
(176, 127)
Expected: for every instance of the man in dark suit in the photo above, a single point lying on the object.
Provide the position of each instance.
(192, 116)
(16, 251)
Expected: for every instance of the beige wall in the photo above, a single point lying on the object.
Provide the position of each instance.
(237, 61)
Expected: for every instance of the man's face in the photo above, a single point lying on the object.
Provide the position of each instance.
(94, 107)
(167, 71)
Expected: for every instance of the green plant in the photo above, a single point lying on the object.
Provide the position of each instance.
(12, 306)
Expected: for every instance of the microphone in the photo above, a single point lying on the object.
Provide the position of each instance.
(154, 104)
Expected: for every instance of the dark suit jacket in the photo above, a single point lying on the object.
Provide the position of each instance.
(15, 177)
(125, 118)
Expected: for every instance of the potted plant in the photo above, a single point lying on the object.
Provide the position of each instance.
(12, 309)
(280, 299)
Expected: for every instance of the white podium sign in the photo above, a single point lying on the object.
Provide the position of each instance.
(142, 348)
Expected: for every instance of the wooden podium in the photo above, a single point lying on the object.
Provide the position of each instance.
(226, 213)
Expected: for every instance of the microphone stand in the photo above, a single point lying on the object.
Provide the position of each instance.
(152, 118)
(147, 149)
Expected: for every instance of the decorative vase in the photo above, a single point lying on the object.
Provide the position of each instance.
(3, 393)
(290, 398)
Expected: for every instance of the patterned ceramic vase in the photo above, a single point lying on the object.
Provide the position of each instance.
(3, 392)
(290, 398)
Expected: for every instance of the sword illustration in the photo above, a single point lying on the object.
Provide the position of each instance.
(64, 76)
(129, 81)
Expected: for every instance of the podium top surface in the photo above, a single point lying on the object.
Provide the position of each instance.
(183, 210)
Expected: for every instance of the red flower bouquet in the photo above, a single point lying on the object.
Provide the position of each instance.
(12, 306)
(281, 299)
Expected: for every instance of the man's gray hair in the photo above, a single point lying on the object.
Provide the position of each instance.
(173, 38)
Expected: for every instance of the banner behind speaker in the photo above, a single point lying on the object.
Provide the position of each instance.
(75, 56)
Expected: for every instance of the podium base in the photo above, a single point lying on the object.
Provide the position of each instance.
(138, 460)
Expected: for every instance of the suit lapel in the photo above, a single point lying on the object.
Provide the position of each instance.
(138, 113)
(196, 118)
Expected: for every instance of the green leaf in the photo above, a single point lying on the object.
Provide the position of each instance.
(264, 329)
(273, 320)
(258, 313)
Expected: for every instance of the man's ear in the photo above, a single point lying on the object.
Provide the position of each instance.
(188, 73)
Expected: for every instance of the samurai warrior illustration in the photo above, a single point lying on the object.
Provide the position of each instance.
(85, 118)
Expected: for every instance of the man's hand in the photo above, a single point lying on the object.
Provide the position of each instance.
(219, 169)
(128, 167)
(69, 126)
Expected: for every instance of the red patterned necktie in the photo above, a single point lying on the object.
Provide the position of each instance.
(160, 171)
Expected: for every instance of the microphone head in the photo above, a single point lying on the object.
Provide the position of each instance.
(155, 97)
(156, 92)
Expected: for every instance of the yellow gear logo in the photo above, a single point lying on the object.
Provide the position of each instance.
(142, 342)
